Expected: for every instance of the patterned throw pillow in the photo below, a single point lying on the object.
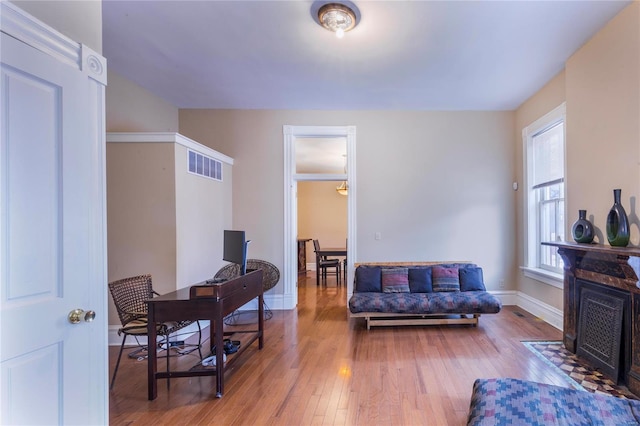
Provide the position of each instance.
(445, 279)
(395, 280)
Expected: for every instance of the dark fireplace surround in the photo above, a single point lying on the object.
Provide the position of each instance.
(612, 272)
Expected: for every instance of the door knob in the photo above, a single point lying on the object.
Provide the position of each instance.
(78, 315)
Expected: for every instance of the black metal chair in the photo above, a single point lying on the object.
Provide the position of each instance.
(323, 264)
(129, 296)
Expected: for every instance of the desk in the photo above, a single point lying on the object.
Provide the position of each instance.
(213, 303)
(302, 255)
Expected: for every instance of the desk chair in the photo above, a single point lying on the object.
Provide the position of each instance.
(323, 263)
(129, 295)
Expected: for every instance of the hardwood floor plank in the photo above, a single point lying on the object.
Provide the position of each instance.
(320, 367)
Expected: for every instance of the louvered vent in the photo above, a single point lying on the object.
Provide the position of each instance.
(204, 166)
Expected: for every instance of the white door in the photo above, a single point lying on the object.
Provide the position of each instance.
(52, 237)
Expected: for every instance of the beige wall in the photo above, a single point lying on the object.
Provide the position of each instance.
(81, 21)
(433, 188)
(603, 122)
(163, 220)
(141, 214)
(322, 215)
(601, 87)
(131, 108)
(203, 212)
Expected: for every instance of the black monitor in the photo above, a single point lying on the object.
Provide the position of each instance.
(235, 249)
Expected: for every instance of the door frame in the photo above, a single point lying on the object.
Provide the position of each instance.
(34, 33)
(291, 178)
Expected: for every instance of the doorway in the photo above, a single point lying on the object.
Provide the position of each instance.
(292, 137)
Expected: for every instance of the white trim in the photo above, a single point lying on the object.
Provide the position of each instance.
(544, 276)
(529, 227)
(167, 137)
(35, 33)
(507, 297)
(290, 133)
(319, 177)
(545, 312)
(93, 64)
(115, 340)
(18, 24)
(540, 309)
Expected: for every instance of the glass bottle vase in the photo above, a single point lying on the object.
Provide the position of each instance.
(582, 229)
(617, 223)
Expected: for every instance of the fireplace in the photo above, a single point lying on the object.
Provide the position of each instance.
(601, 307)
(603, 328)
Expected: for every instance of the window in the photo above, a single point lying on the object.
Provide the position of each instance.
(544, 164)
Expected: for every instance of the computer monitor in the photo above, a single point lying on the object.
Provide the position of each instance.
(235, 249)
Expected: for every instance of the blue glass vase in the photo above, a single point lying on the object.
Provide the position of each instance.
(617, 223)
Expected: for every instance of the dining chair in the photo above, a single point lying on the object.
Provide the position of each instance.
(344, 261)
(323, 264)
(130, 296)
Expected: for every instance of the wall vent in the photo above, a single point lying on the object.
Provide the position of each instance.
(204, 166)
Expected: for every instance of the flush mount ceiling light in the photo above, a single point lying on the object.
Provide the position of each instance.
(337, 17)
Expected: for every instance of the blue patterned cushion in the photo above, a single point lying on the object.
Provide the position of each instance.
(420, 280)
(395, 280)
(471, 279)
(470, 302)
(445, 279)
(519, 402)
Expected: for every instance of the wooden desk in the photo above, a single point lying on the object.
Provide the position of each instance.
(214, 302)
(302, 255)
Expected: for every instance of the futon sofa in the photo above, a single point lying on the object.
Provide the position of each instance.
(420, 293)
(509, 401)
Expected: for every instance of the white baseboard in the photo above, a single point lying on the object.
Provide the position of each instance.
(545, 312)
(507, 297)
(275, 302)
(185, 333)
(540, 309)
(278, 302)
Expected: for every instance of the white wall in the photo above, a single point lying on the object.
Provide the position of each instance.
(203, 212)
(436, 185)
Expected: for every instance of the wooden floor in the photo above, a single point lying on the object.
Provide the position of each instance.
(320, 367)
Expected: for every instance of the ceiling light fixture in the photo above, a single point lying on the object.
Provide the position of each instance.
(343, 189)
(337, 17)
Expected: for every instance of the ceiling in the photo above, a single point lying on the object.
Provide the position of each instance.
(403, 55)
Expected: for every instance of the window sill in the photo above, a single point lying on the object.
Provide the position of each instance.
(547, 277)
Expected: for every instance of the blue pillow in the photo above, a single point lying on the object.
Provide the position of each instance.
(420, 280)
(471, 279)
(368, 279)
